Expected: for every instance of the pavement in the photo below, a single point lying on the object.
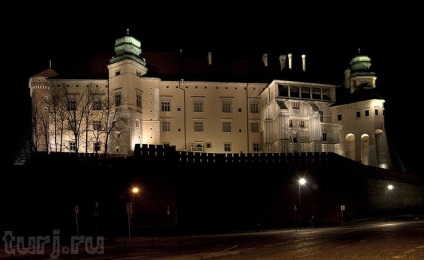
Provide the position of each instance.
(146, 244)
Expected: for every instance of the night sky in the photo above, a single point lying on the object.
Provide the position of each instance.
(328, 35)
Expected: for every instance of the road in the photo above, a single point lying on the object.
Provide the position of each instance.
(378, 240)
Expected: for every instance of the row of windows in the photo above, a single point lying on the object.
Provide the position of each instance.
(73, 146)
(358, 114)
(199, 127)
(198, 106)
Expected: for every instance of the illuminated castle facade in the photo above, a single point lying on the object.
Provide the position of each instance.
(196, 106)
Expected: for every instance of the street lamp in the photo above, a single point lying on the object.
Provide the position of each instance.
(302, 182)
(388, 189)
(134, 190)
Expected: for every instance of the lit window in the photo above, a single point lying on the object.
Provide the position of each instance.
(226, 106)
(227, 147)
(166, 126)
(166, 106)
(254, 107)
(254, 127)
(256, 147)
(198, 106)
(198, 126)
(226, 127)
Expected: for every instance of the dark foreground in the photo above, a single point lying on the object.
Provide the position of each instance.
(371, 239)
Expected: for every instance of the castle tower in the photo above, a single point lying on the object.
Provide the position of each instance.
(360, 110)
(39, 91)
(125, 70)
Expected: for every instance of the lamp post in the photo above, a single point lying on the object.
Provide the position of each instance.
(134, 190)
(388, 189)
(302, 182)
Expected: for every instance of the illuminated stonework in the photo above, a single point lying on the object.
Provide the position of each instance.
(111, 116)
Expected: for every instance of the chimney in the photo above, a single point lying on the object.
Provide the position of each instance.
(290, 61)
(303, 62)
(265, 59)
(210, 58)
(283, 59)
(346, 78)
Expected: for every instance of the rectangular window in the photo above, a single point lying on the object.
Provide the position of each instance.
(198, 126)
(324, 136)
(226, 127)
(358, 114)
(165, 126)
(339, 117)
(294, 137)
(71, 125)
(97, 105)
(72, 105)
(296, 105)
(291, 123)
(97, 125)
(302, 123)
(376, 112)
(72, 146)
(166, 106)
(227, 147)
(254, 127)
(256, 147)
(226, 106)
(97, 146)
(118, 97)
(321, 116)
(138, 97)
(198, 106)
(367, 112)
(254, 107)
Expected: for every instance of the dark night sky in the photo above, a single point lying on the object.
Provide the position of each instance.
(330, 37)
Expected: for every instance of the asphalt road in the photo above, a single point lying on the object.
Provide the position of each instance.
(370, 240)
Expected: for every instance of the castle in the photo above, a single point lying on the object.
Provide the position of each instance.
(209, 106)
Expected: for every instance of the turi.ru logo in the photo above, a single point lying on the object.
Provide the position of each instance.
(37, 245)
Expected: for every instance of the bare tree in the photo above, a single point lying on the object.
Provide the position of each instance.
(40, 123)
(112, 119)
(58, 112)
(90, 106)
(75, 117)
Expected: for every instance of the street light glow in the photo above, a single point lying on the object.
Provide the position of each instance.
(302, 181)
(135, 190)
(390, 187)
